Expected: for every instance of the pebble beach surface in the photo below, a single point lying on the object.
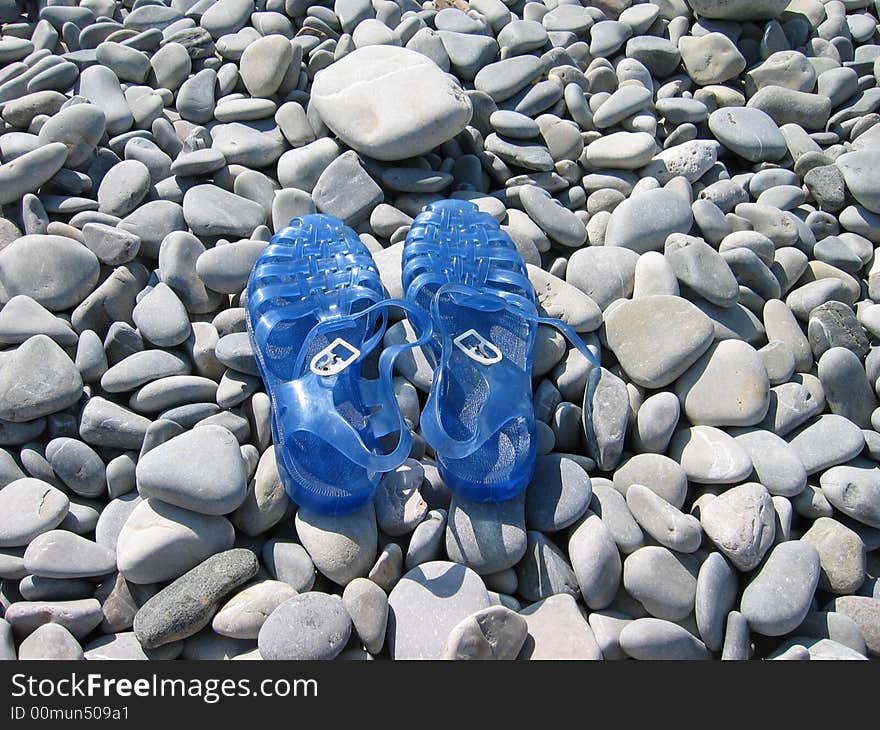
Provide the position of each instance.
(695, 186)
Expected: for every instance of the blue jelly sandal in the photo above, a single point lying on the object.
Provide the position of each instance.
(316, 312)
(462, 268)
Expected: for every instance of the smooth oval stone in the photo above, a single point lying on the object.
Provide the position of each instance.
(55, 271)
(596, 561)
(702, 269)
(559, 493)
(662, 521)
(264, 64)
(858, 171)
(159, 541)
(22, 317)
(62, 554)
(28, 508)
(826, 441)
(560, 299)
(493, 633)
(289, 562)
(727, 386)
(79, 127)
(652, 638)
(312, 626)
(123, 187)
(610, 506)
(29, 171)
(663, 582)
(623, 103)
(226, 268)
(715, 597)
(777, 465)
(161, 317)
(710, 456)
(603, 273)
(173, 391)
(201, 470)
(78, 466)
(472, 533)
(79, 617)
(186, 606)
(841, 555)
(37, 379)
(50, 642)
(854, 489)
(343, 547)
(644, 221)
(104, 423)
(657, 338)
(265, 502)
(778, 597)
(558, 630)
(101, 87)
(412, 106)
(847, 390)
(143, 367)
(503, 79)
(544, 570)
(559, 223)
(621, 151)
(447, 591)
(741, 523)
(212, 211)
(242, 616)
(655, 422)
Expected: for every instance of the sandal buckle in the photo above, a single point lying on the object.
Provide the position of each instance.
(330, 362)
(478, 348)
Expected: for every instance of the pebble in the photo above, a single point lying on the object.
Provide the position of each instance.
(79, 617)
(50, 642)
(37, 379)
(558, 495)
(715, 597)
(544, 570)
(62, 554)
(654, 638)
(644, 221)
(778, 597)
(160, 542)
(841, 556)
(558, 630)
(727, 386)
(709, 455)
(367, 605)
(651, 355)
(662, 581)
(187, 605)
(827, 441)
(201, 470)
(595, 560)
(741, 524)
(666, 524)
(864, 612)
(55, 271)
(244, 614)
(342, 547)
(853, 488)
(448, 592)
(28, 508)
(402, 100)
(492, 633)
(487, 537)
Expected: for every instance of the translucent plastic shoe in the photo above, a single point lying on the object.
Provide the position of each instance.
(316, 310)
(462, 268)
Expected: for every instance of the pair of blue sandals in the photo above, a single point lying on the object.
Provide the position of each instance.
(317, 311)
